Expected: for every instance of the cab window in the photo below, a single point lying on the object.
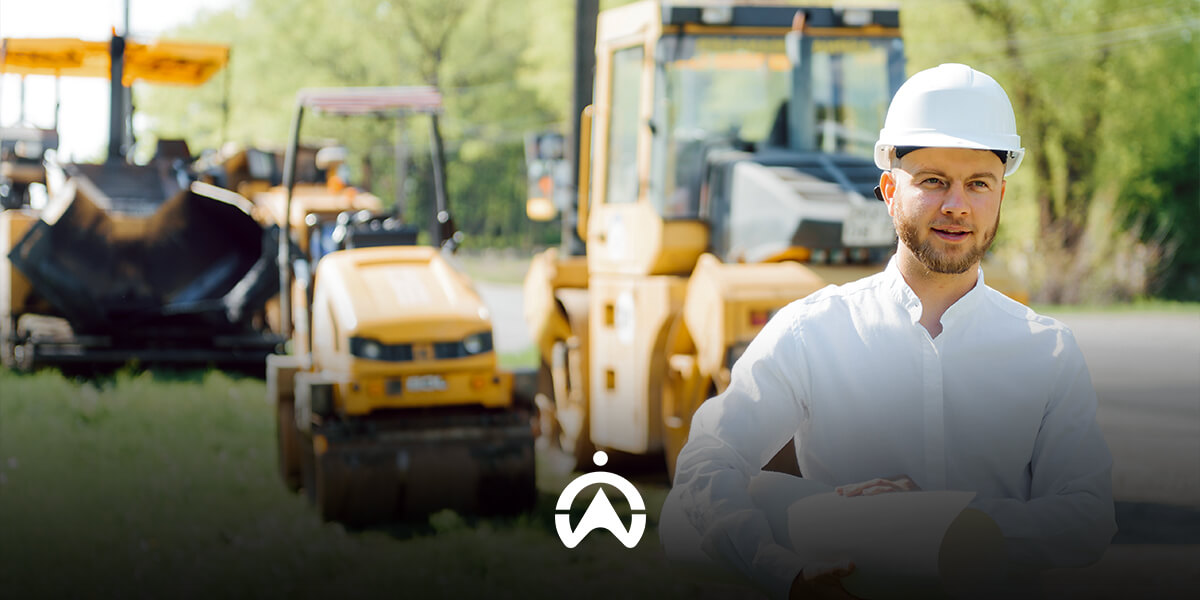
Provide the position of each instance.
(623, 125)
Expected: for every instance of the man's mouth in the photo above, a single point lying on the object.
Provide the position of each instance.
(951, 233)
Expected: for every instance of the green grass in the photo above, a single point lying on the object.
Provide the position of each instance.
(163, 485)
(525, 359)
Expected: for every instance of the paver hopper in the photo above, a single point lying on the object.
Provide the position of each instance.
(132, 262)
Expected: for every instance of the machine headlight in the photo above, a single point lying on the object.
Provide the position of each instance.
(856, 17)
(366, 348)
(716, 15)
(478, 343)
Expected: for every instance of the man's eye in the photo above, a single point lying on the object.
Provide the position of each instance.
(980, 185)
(931, 181)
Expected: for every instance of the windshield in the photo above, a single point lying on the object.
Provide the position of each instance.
(730, 91)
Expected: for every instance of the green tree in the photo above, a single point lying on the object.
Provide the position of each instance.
(475, 52)
(1106, 102)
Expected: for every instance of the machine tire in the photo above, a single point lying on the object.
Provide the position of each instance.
(515, 494)
(322, 481)
(288, 445)
(329, 486)
(308, 473)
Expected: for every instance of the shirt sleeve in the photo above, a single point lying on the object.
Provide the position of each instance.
(731, 437)
(1068, 520)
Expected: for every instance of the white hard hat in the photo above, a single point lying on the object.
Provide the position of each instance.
(950, 106)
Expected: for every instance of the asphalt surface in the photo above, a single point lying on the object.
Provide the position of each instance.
(1146, 370)
(504, 301)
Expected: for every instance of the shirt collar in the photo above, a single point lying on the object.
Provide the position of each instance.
(900, 291)
(965, 305)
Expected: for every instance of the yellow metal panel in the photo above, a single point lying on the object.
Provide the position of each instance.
(175, 63)
(163, 62)
(585, 170)
(65, 57)
(570, 271)
(640, 20)
(628, 358)
(14, 287)
(547, 274)
(479, 387)
(683, 242)
(720, 298)
(633, 239)
(401, 293)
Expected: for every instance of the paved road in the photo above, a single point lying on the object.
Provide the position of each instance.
(511, 334)
(1146, 369)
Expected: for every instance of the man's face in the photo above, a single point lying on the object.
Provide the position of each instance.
(945, 203)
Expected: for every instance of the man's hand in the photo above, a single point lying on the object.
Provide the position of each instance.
(821, 580)
(899, 483)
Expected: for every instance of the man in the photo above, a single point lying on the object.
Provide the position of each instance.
(920, 377)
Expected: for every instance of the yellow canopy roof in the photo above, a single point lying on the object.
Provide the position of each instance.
(179, 63)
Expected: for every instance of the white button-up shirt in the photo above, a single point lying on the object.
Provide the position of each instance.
(1000, 403)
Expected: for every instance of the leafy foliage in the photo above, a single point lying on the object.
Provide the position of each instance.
(1105, 95)
(480, 54)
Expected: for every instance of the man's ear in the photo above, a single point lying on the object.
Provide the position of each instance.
(887, 189)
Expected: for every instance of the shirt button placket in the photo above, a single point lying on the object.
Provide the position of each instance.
(935, 439)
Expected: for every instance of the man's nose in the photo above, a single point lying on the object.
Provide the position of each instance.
(955, 201)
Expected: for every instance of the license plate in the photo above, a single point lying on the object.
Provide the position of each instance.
(868, 224)
(425, 383)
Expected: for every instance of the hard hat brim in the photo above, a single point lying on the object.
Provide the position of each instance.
(885, 151)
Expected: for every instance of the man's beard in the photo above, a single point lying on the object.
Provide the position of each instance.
(942, 262)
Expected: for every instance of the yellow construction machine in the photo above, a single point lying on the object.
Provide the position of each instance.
(391, 403)
(725, 169)
(128, 261)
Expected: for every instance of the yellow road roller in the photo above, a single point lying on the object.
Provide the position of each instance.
(391, 403)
